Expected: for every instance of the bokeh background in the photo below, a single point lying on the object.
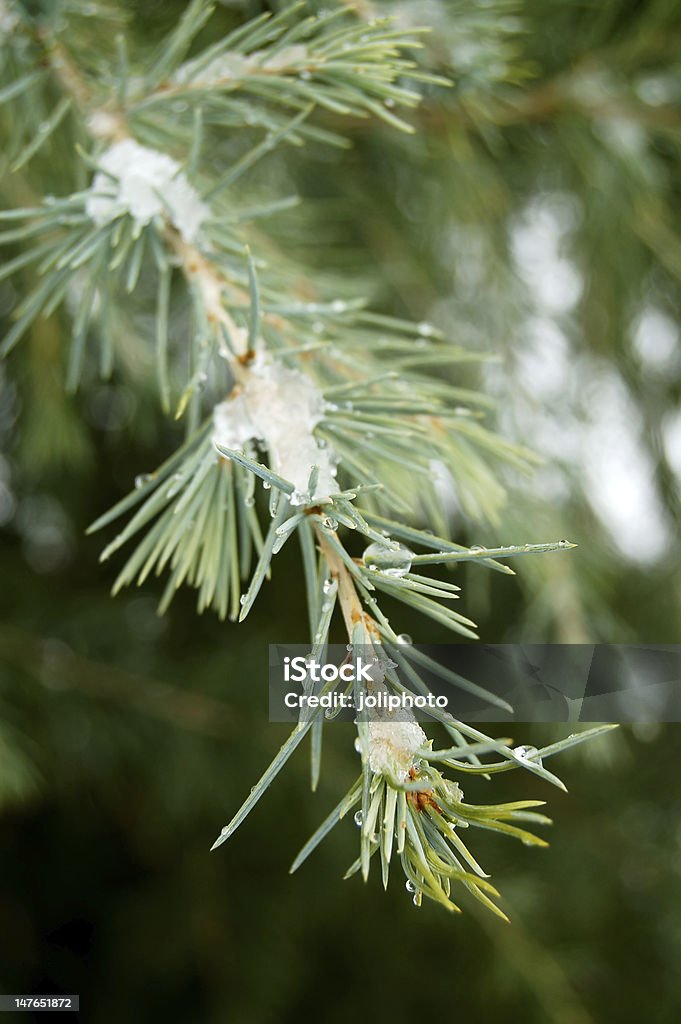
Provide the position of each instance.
(535, 214)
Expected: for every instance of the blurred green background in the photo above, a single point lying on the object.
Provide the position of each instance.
(534, 214)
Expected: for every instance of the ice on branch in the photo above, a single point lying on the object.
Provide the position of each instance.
(394, 746)
(144, 184)
(232, 423)
(279, 408)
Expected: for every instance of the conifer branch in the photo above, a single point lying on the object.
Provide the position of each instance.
(306, 413)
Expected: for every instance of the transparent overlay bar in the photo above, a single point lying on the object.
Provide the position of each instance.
(477, 682)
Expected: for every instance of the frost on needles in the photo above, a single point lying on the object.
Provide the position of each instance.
(145, 184)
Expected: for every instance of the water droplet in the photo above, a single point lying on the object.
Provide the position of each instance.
(143, 479)
(564, 544)
(266, 485)
(477, 547)
(409, 886)
(404, 638)
(527, 753)
(417, 899)
(389, 103)
(392, 561)
(249, 501)
(359, 818)
(327, 586)
(330, 524)
(339, 306)
(426, 330)
(242, 599)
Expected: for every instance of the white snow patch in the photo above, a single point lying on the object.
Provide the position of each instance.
(232, 423)
(280, 408)
(144, 184)
(393, 747)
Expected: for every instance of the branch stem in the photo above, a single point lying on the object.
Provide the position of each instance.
(107, 125)
(348, 598)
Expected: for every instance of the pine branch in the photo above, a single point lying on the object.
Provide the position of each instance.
(323, 401)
